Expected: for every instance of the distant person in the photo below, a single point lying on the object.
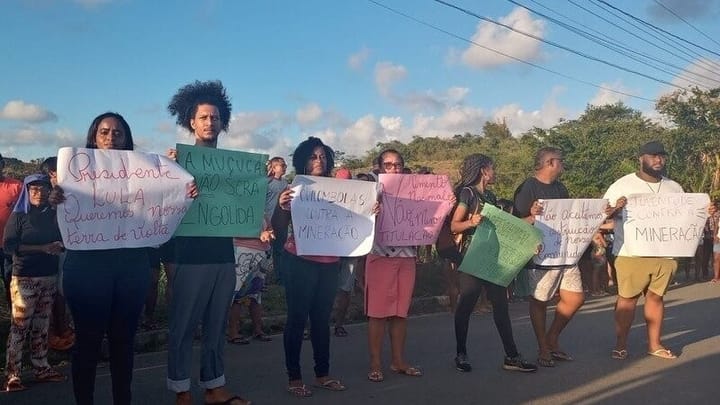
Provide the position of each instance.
(311, 281)
(276, 169)
(477, 174)
(346, 283)
(636, 275)
(545, 281)
(61, 336)
(389, 283)
(9, 191)
(204, 278)
(33, 238)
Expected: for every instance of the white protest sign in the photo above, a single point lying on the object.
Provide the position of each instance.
(664, 225)
(333, 217)
(119, 199)
(414, 208)
(567, 226)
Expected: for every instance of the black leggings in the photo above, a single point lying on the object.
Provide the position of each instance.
(470, 288)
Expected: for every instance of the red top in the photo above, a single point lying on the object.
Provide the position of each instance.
(9, 192)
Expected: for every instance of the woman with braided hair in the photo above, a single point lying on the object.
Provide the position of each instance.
(204, 277)
(476, 174)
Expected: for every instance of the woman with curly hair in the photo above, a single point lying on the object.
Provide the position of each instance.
(204, 279)
(310, 281)
(477, 172)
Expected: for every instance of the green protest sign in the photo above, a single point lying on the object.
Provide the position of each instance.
(501, 246)
(231, 186)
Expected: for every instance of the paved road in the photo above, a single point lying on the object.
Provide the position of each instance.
(692, 329)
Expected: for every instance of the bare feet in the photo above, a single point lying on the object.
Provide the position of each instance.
(183, 398)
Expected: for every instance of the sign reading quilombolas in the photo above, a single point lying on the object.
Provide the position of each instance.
(333, 217)
(119, 199)
(414, 207)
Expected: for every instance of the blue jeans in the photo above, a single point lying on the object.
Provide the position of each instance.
(310, 289)
(105, 290)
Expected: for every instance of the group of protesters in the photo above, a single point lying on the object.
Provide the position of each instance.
(212, 278)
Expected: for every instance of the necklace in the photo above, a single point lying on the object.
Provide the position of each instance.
(652, 189)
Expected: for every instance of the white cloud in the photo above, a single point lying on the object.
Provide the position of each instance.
(702, 71)
(358, 59)
(506, 41)
(387, 74)
(606, 96)
(31, 142)
(308, 114)
(18, 110)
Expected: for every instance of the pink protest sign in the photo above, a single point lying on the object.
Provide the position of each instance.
(413, 208)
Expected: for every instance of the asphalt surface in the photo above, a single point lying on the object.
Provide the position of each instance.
(256, 371)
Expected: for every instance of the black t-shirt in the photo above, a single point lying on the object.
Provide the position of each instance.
(37, 227)
(533, 189)
(204, 250)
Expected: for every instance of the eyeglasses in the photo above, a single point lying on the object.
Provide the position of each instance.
(391, 165)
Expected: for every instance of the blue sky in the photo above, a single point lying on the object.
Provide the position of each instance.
(348, 71)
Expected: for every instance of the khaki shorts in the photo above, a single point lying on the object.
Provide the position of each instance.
(544, 283)
(636, 275)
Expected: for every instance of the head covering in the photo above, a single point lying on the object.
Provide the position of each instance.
(23, 202)
(343, 173)
(652, 148)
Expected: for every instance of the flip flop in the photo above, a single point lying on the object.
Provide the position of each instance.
(340, 331)
(300, 391)
(620, 354)
(331, 385)
(560, 355)
(262, 338)
(14, 385)
(51, 376)
(546, 362)
(410, 371)
(229, 401)
(239, 340)
(376, 376)
(663, 353)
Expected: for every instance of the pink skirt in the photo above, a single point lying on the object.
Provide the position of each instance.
(389, 284)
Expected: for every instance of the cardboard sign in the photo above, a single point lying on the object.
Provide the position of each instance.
(414, 207)
(501, 246)
(119, 199)
(232, 186)
(333, 217)
(664, 225)
(567, 226)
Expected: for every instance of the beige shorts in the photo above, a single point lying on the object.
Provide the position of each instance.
(545, 283)
(635, 275)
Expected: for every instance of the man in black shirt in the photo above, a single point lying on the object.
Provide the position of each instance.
(545, 281)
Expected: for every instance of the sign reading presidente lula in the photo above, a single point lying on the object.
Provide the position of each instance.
(333, 217)
(664, 225)
(119, 199)
(567, 226)
(413, 208)
(231, 192)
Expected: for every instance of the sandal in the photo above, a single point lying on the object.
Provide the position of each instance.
(300, 391)
(560, 355)
(410, 371)
(663, 353)
(620, 354)
(545, 362)
(260, 337)
(331, 384)
(376, 376)
(239, 340)
(50, 376)
(230, 401)
(14, 384)
(340, 331)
